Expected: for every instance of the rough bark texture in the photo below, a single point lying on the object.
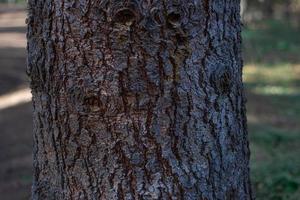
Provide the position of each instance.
(137, 99)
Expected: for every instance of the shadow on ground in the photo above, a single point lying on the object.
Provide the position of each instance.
(16, 119)
(16, 152)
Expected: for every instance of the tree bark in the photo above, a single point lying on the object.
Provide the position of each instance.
(138, 100)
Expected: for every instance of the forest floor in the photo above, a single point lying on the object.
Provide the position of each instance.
(15, 110)
(272, 82)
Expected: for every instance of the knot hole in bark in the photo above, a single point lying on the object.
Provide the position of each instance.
(181, 39)
(92, 103)
(173, 19)
(221, 80)
(125, 16)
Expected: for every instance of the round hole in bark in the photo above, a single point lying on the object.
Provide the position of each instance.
(124, 16)
(173, 18)
(91, 100)
(222, 80)
(92, 103)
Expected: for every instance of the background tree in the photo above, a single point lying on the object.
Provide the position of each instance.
(137, 100)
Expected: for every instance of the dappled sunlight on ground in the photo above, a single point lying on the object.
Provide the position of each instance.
(272, 74)
(18, 41)
(276, 90)
(12, 17)
(15, 109)
(15, 98)
(12, 29)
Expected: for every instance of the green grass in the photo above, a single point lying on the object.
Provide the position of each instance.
(278, 84)
(275, 163)
(272, 82)
(15, 2)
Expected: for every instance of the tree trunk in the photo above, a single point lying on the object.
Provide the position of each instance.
(138, 100)
(244, 6)
(287, 10)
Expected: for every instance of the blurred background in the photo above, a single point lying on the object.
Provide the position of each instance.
(271, 47)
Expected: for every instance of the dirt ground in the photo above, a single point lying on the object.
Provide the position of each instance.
(15, 119)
